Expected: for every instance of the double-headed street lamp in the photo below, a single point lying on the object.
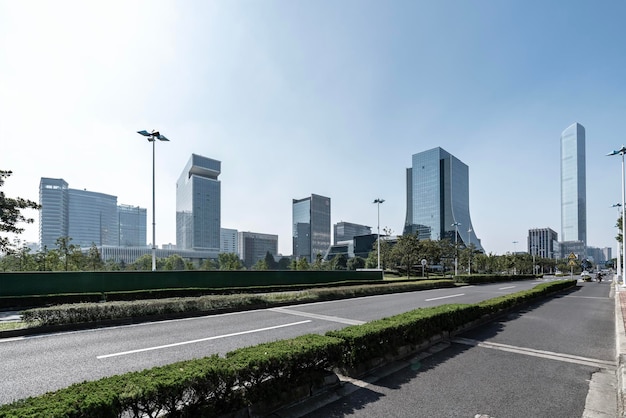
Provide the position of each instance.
(152, 137)
(621, 152)
(456, 247)
(378, 202)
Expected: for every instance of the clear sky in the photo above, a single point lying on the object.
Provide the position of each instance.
(325, 97)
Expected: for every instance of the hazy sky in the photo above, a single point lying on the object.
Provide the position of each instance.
(326, 97)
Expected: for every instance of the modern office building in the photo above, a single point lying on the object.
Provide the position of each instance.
(311, 226)
(93, 218)
(229, 241)
(132, 221)
(437, 188)
(254, 246)
(346, 231)
(543, 242)
(87, 217)
(198, 197)
(573, 186)
(54, 213)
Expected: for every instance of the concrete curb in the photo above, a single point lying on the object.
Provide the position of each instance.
(620, 346)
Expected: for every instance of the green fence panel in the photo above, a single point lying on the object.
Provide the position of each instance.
(49, 283)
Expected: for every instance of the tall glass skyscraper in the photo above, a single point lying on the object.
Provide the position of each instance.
(198, 205)
(311, 226)
(437, 188)
(573, 185)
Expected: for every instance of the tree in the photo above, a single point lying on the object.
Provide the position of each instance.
(356, 263)
(174, 262)
(319, 263)
(142, 263)
(270, 262)
(209, 264)
(11, 213)
(65, 250)
(407, 251)
(302, 264)
(229, 261)
(260, 265)
(339, 262)
(94, 259)
(283, 263)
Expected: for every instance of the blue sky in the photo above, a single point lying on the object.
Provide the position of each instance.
(324, 97)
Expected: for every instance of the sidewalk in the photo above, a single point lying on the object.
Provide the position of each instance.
(620, 345)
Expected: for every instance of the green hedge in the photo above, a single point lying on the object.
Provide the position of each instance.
(92, 312)
(261, 374)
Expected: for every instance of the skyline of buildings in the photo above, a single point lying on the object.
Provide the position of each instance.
(437, 207)
(437, 189)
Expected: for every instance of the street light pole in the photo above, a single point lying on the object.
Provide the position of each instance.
(621, 152)
(378, 201)
(514, 259)
(619, 248)
(152, 137)
(469, 245)
(456, 247)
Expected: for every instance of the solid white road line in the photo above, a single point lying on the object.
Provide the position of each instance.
(445, 297)
(507, 287)
(140, 350)
(568, 358)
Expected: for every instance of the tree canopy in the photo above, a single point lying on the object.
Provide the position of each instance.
(11, 213)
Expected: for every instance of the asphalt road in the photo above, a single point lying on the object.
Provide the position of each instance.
(535, 363)
(35, 365)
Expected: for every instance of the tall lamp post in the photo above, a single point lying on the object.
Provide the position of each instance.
(152, 137)
(621, 152)
(456, 247)
(469, 245)
(378, 201)
(514, 251)
(619, 249)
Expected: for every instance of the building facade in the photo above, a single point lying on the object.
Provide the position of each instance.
(573, 185)
(93, 218)
(543, 242)
(229, 241)
(132, 221)
(54, 213)
(254, 246)
(87, 217)
(198, 205)
(437, 187)
(311, 226)
(346, 231)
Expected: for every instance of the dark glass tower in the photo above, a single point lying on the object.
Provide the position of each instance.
(311, 226)
(438, 198)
